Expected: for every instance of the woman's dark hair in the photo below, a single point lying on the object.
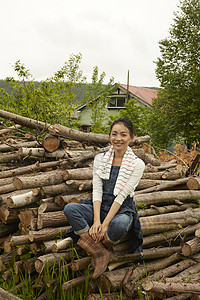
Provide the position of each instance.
(126, 123)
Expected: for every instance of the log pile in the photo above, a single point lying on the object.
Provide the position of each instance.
(38, 178)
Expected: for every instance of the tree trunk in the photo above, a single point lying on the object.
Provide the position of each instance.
(155, 210)
(165, 222)
(8, 216)
(169, 235)
(44, 179)
(9, 129)
(9, 157)
(61, 244)
(15, 146)
(48, 207)
(51, 219)
(190, 247)
(75, 282)
(7, 188)
(193, 183)
(48, 234)
(80, 264)
(163, 288)
(110, 281)
(22, 200)
(62, 200)
(7, 295)
(164, 186)
(17, 240)
(51, 259)
(40, 152)
(51, 143)
(133, 278)
(165, 197)
(77, 174)
(30, 168)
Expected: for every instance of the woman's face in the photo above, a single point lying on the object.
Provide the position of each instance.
(120, 137)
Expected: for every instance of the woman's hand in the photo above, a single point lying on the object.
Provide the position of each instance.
(95, 230)
(100, 236)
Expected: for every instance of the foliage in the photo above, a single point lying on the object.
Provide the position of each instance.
(138, 116)
(176, 111)
(98, 96)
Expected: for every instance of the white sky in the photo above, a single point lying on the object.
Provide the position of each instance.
(115, 35)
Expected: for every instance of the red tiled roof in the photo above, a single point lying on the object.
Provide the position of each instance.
(144, 94)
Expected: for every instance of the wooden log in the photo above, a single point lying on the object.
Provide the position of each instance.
(78, 174)
(40, 152)
(164, 222)
(197, 233)
(189, 271)
(80, 264)
(29, 264)
(190, 247)
(26, 216)
(168, 236)
(51, 219)
(9, 157)
(61, 244)
(18, 267)
(5, 181)
(46, 178)
(47, 234)
(163, 288)
(15, 146)
(132, 281)
(164, 196)
(8, 216)
(110, 281)
(193, 183)
(9, 129)
(62, 200)
(75, 282)
(164, 186)
(22, 200)
(155, 210)
(30, 168)
(107, 296)
(48, 207)
(7, 188)
(17, 240)
(51, 143)
(7, 295)
(147, 254)
(51, 259)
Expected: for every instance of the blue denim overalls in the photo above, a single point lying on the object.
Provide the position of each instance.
(127, 208)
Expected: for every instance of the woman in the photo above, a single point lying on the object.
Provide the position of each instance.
(112, 214)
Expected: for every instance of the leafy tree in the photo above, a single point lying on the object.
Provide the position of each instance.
(176, 111)
(53, 100)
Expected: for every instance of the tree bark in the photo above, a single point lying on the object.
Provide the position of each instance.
(47, 234)
(51, 259)
(40, 152)
(163, 288)
(168, 236)
(77, 174)
(9, 129)
(165, 222)
(75, 282)
(110, 281)
(165, 197)
(22, 200)
(164, 186)
(17, 240)
(62, 200)
(61, 244)
(15, 146)
(80, 264)
(8, 216)
(7, 295)
(44, 179)
(9, 157)
(51, 219)
(48, 207)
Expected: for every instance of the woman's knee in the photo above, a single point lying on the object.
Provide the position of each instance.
(119, 227)
(69, 209)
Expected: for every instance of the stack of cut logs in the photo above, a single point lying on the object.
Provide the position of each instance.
(38, 178)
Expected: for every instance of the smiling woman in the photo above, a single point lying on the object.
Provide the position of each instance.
(103, 222)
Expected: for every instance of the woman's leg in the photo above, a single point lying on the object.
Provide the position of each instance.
(80, 216)
(119, 227)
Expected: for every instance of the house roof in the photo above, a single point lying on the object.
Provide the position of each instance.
(144, 94)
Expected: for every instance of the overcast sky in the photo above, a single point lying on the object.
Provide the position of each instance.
(115, 35)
